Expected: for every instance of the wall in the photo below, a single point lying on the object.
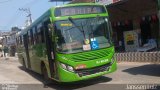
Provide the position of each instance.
(152, 57)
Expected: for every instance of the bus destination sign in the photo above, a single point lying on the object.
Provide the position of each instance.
(77, 10)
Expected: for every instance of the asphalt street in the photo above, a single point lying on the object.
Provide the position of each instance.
(128, 73)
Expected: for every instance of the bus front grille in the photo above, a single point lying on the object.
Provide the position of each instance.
(85, 72)
(91, 55)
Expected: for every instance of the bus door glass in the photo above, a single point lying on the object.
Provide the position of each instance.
(49, 48)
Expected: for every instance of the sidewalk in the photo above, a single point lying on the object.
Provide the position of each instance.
(9, 58)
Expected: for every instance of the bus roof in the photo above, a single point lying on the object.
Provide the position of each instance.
(37, 21)
(66, 5)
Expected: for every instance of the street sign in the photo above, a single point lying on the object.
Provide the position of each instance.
(94, 44)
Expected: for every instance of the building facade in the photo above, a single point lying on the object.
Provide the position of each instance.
(9, 40)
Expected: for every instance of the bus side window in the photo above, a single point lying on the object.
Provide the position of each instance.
(34, 36)
(40, 35)
(31, 36)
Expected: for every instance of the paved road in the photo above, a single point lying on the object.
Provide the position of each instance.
(128, 73)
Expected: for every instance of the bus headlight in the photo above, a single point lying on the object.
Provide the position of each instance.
(70, 69)
(63, 66)
(67, 67)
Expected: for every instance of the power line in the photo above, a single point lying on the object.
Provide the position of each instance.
(27, 10)
(5, 1)
(15, 17)
(30, 4)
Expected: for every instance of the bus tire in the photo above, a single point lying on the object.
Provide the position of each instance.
(47, 80)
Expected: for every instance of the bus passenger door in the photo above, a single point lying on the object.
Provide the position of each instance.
(25, 40)
(50, 50)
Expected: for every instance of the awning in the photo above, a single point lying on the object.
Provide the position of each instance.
(132, 9)
(106, 2)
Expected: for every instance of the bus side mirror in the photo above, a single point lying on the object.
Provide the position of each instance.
(56, 39)
(50, 27)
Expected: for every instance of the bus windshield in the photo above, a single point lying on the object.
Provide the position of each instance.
(79, 35)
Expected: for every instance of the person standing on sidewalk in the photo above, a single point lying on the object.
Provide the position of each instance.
(1, 52)
(5, 50)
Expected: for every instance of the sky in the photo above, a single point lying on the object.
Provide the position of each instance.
(11, 16)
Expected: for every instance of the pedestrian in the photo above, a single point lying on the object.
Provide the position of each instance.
(5, 50)
(1, 55)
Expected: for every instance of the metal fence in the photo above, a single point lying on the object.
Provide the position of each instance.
(153, 57)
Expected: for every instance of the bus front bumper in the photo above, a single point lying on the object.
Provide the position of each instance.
(66, 76)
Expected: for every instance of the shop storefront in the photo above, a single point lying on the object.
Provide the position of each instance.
(135, 24)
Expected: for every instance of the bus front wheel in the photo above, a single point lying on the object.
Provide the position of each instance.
(47, 80)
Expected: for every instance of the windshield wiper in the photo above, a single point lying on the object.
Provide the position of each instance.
(91, 35)
(81, 30)
(71, 20)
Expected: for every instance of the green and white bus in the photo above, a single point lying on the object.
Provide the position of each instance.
(69, 43)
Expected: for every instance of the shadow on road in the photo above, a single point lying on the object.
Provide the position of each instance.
(33, 74)
(150, 70)
(67, 86)
(80, 84)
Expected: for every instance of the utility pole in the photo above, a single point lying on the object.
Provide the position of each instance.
(28, 11)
